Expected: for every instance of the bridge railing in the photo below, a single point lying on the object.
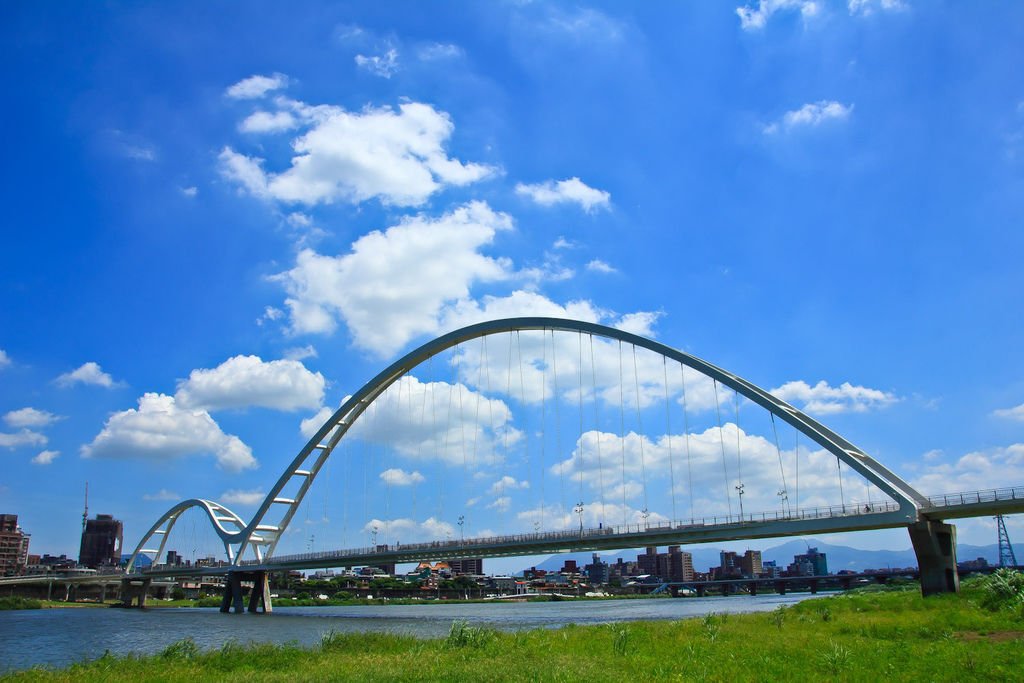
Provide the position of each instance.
(575, 535)
(977, 497)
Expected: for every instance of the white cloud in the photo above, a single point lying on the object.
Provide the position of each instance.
(311, 425)
(397, 157)
(1015, 413)
(599, 266)
(190, 191)
(810, 115)
(88, 373)
(408, 530)
(300, 352)
(25, 437)
(562, 243)
(867, 7)
(640, 323)
(270, 314)
(501, 504)
(256, 87)
(571, 190)
(975, 471)
(5, 360)
(823, 399)
(508, 483)
(394, 284)
(753, 18)
(30, 417)
(384, 65)
(438, 51)
(240, 497)
(404, 419)
(245, 381)
(399, 477)
(268, 122)
(160, 430)
(45, 457)
(162, 494)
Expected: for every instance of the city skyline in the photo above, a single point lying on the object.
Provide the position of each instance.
(210, 246)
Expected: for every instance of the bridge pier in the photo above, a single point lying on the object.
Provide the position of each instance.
(234, 594)
(132, 591)
(935, 546)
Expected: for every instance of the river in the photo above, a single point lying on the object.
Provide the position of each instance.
(58, 637)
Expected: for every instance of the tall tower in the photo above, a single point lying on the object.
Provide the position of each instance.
(1006, 556)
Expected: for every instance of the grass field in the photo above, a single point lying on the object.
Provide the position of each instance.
(860, 636)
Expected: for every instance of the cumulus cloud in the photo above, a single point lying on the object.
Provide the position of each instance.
(256, 87)
(45, 457)
(311, 425)
(245, 381)
(392, 285)
(404, 419)
(160, 429)
(300, 352)
(24, 437)
(30, 417)
(1015, 413)
(162, 495)
(268, 122)
(5, 360)
(810, 115)
(508, 483)
(755, 17)
(824, 399)
(241, 497)
(190, 191)
(399, 477)
(599, 266)
(396, 156)
(384, 65)
(87, 373)
(407, 530)
(975, 471)
(572, 190)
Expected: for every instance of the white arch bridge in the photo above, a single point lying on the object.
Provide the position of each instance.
(541, 435)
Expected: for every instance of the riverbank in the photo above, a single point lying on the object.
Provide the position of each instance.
(856, 636)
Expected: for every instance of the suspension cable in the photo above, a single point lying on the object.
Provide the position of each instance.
(640, 429)
(686, 432)
(784, 492)
(739, 458)
(622, 434)
(597, 426)
(668, 432)
(579, 466)
(558, 421)
(721, 439)
(543, 419)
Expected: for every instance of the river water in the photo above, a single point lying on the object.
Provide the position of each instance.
(58, 637)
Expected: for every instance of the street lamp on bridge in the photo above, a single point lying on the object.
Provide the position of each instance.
(579, 511)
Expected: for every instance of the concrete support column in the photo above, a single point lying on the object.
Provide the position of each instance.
(233, 597)
(935, 547)
(260, 593)
(143, 592)
(780, 587)
(752, 587)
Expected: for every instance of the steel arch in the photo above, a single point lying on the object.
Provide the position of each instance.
(263, 538)
(217, 514)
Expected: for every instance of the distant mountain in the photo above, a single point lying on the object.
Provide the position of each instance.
(838, 556)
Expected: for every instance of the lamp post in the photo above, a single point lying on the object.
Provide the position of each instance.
(579, 511)
(739, 489)
(373, 537)
(462, 533)
(645, 513)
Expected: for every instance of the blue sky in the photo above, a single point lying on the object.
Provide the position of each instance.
(222, 220)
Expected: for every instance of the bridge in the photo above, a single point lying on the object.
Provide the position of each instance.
(544, 435)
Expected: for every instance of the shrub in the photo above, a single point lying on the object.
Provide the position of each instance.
(1003, 589)
(462, 634)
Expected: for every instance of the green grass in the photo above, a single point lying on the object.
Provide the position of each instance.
(14, 602)
(860, 636)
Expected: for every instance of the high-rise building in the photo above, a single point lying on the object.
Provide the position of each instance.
(679, 565)
(597, 571)
(811, 563)
(647, 562)
(101, 542)
(729, 566)
(13, 546)
(750, 564)
(473, 566)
